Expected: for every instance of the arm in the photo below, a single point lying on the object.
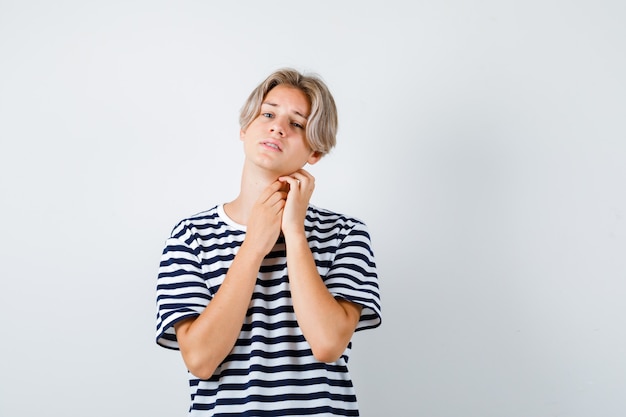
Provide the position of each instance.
(326, 322)
(208, 338)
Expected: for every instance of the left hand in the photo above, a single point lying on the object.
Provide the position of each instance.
(301, 186)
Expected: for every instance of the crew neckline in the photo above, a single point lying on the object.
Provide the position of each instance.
(222, 213)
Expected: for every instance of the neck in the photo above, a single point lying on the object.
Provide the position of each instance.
(253, 183)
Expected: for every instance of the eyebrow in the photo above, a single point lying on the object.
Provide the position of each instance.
(269, 103)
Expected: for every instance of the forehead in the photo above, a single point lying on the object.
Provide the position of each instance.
(288, 97)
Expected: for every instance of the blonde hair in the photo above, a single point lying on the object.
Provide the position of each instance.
(321, 127)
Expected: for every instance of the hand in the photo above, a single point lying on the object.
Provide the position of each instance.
(264, 223)
(301, 186)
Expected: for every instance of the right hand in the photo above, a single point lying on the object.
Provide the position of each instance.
(263, 226)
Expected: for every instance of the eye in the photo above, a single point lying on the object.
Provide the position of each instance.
(268, 115)
(298, 125)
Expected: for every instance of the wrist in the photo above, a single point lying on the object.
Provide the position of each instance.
(252, 253)
(295, 236)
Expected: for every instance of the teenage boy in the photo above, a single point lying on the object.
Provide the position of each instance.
(262, 295)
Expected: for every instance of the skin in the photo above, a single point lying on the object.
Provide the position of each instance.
(274, 196)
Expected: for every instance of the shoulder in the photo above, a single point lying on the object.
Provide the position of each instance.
(200, 224)
(325, 216)
(325, 224)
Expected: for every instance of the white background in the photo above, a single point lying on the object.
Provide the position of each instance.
(484, 143)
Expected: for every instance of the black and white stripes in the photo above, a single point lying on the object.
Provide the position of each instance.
(271, 369)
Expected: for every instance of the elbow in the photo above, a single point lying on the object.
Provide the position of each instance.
(200, 370)
(200, 367)
(330, 342)
(201, 360)
(326, 357)
(328, 353)
(201, 374)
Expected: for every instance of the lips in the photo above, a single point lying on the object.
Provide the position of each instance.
(272, 145)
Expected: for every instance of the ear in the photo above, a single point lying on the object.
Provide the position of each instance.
(242, 134)
(314, 157)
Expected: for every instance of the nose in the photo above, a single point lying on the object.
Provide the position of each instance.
(278, 126)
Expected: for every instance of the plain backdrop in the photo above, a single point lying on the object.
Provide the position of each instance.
(483, 142)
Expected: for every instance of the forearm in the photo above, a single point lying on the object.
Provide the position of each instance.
(327, 323)
(206, 340)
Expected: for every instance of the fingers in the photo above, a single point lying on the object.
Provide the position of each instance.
(294, 183)
(277, 200)
(270, 191)
(299, 180)
(273, 199)
(275, 195)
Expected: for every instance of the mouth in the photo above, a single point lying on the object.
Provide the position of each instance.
(271, 145)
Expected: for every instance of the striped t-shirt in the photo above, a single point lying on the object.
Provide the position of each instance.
(271, 370)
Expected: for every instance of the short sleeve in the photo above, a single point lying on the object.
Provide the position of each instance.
(352, 275)
(181, 289)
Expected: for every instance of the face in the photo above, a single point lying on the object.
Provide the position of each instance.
(276, 138)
